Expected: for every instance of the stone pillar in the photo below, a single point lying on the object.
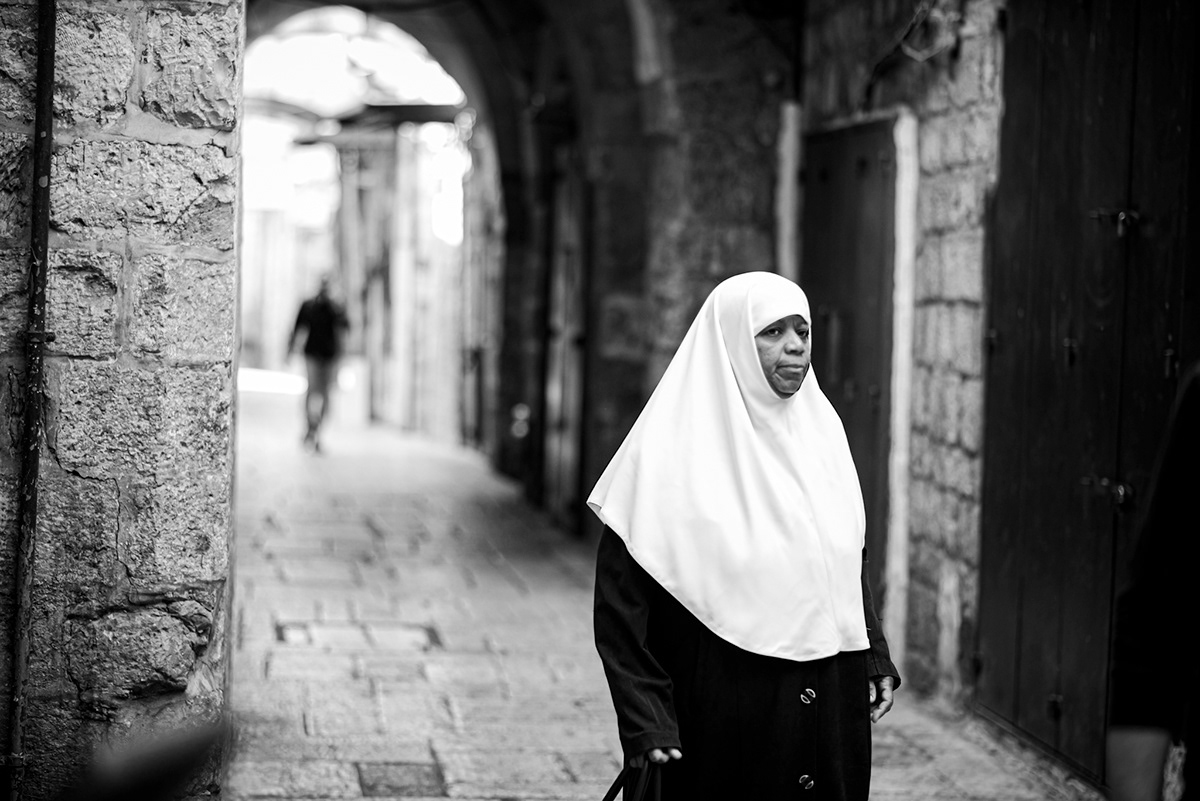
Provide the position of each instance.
(131, 565)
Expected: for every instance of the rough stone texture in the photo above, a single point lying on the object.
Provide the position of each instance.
(130, 607)
(93, 65)
(112, 418)
(183, 309)
(130, 654)
(190, 73)
(170, 194)
(77, 537)
(14, 190)
(176, 533)
(18, 55)
(81, 305)
(956, 97)
(13, 303)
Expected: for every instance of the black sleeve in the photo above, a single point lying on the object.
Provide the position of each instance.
(641, 689)
(879, 658)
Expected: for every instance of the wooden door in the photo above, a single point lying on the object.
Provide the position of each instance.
(1070, 323)
(847, 271)
(565, 344)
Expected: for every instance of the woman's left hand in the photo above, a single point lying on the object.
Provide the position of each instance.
(880, 691)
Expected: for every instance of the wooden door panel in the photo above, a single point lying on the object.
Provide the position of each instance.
(847, 272)
(1092, 339)
(1164, 327)
(1012, 247)
(1086, 317)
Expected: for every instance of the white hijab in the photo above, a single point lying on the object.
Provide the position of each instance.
(745, 506)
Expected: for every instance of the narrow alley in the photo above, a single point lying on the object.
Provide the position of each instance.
(406, 626)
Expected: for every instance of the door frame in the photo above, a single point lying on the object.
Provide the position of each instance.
(905, 133)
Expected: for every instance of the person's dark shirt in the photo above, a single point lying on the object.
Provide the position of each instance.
(323, 320)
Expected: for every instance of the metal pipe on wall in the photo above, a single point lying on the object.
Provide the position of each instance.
(37, 337)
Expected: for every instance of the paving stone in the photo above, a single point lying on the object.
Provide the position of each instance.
(307, 779)
(404, 779)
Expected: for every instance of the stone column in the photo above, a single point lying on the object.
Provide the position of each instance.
(131, 564)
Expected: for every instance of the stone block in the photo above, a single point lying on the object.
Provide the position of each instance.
(970, 425)
(190, 62)
(922, 455)
(928, 283)
(81, 306)
(130, 654)
(77, 537)
(15, 158)
(926, 319)
(953, 199)
(177, 531)
(198, 409)
(400, 779)
(157, 193)
(966, 79)
(961, 265)
(312, 779)
(110, 417)
(183, 309)
(964, 339)
(924, 508)
(94, 62)
(18, 60)
(956, 470)
(14, 305)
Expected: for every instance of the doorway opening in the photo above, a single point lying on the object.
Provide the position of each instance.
(355, 146)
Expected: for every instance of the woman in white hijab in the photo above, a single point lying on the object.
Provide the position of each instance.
(732, 614)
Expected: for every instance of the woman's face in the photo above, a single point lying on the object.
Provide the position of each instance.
(784, 351)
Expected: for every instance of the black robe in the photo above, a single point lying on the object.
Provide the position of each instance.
(749, 726)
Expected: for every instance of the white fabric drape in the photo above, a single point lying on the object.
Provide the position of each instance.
(743, 505)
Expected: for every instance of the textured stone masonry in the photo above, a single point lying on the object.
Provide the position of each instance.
(135, 496)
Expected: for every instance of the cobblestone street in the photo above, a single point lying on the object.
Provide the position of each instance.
(406, 627)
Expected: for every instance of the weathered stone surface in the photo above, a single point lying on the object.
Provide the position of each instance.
(18, 56)
(111, 417)
(400, 779)
(77, 536)
(158, 193)
(93, 64)
(130, 654)
(961, 265)
(952, 200)
(81, 306)
(13, 302)
(178, 531)
(183, 309)
(14, 189)
(190, 61)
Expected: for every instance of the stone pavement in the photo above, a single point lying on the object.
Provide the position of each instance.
(406, 627)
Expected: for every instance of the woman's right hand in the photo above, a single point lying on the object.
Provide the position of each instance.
(658, 756)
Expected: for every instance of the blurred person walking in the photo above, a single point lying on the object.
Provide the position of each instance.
(323, 322)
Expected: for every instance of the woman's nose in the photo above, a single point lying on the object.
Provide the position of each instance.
(794, 343)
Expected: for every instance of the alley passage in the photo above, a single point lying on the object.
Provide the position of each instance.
(406, 627)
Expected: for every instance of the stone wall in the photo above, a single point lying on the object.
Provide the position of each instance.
(712, 115)
(955, 94)
(130, 602)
